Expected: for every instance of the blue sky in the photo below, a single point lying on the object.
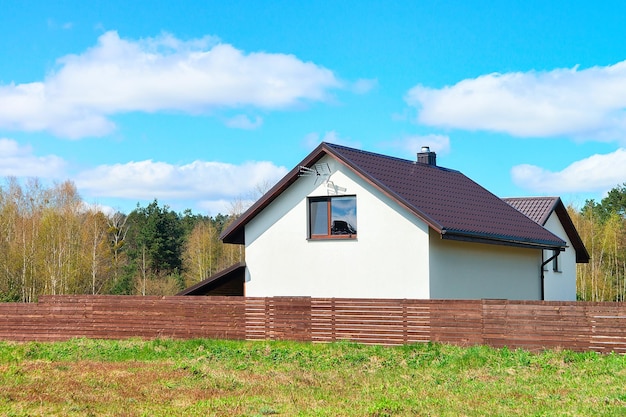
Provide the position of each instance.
(202, 103)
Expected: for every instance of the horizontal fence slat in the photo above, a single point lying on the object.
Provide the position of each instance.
(530, 325)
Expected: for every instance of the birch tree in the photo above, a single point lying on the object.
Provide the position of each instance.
(199, 252)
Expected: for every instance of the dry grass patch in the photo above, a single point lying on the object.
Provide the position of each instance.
(222, 378)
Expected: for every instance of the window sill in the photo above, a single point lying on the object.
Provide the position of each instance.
(333, 237)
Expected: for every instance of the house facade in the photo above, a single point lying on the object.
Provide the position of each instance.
(394, 254)
(350, 223)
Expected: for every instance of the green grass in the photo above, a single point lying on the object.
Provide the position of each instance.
(233, 378)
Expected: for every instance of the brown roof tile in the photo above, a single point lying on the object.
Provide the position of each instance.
(537, 208)
(448, 200)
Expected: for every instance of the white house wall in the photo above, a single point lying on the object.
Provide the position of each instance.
(389, 258)
(462, 270)
(560, 285)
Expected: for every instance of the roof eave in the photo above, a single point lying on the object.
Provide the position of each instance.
(502, 240)
(235, 233)
(582, 256)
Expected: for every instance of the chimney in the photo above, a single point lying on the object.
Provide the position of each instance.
(426, 156)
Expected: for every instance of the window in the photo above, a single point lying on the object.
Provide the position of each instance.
(332, 217)
(556, 264)
(555, 261)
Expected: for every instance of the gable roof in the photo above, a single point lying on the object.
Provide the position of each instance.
(448, 201)
(539, 210)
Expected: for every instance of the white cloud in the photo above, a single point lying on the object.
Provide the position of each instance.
(241, 121)
(585, 104)
(212, 186)
(214, 207)
(205, 182)
(157, 74)
(598, 173)
(107, 210)
(19, 161)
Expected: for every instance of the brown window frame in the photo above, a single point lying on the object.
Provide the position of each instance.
(329, 234)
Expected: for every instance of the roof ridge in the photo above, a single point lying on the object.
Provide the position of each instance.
(542, 197)
(337, 147)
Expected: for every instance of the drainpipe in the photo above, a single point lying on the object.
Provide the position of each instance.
(543, 275)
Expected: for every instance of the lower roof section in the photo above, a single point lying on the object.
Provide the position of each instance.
(228, 281)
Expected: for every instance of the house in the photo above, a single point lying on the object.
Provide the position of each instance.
(356, 224)
(559, 271)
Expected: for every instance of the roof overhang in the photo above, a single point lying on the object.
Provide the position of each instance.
(215, 279)
(235, 233)
(582, 256)
(464, 236)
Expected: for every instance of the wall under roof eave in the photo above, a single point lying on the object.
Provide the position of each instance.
(560, 286)
(389, 259)
(466, 270)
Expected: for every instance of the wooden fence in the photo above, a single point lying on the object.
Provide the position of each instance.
(532, 325)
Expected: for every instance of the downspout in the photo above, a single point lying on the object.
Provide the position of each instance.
(543, 275)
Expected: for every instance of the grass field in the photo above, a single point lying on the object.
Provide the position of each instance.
(233, 378)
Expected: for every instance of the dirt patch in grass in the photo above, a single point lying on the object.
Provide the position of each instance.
(213, 378)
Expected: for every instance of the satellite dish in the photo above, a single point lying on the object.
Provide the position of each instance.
(321, 172)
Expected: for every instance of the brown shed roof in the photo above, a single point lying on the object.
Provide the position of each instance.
(448, 201)
(206, 287)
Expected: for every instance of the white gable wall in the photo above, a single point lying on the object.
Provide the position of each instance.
(463, 270)
(561, 285)
(389, 258)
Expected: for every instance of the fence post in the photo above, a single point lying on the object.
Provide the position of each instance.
(405, 322)
(333, 315)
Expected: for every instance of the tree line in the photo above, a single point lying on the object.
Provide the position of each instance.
(602, 227)
(52, 243)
